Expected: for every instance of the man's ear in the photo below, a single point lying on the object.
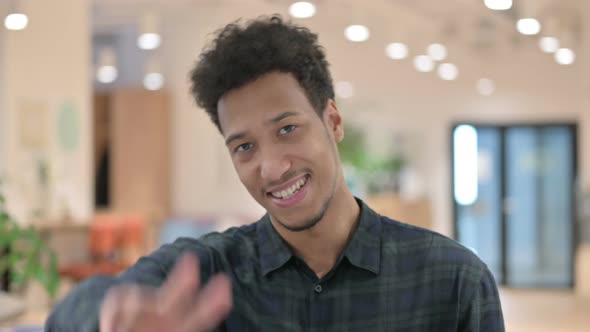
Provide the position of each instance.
(333, 121)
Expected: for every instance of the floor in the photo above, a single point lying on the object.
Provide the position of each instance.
(545, 311)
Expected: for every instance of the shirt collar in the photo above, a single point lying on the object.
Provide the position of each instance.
(273, 251)
(363, 250)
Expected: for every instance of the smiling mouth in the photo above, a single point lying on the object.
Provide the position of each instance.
(291, 191)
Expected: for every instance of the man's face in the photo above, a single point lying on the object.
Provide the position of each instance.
(284, 152)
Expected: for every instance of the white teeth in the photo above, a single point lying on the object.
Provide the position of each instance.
(289, 191)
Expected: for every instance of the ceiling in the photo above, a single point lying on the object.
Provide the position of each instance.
(478, 38)
(465, 22)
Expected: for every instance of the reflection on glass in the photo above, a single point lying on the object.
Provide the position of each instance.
(465, 161)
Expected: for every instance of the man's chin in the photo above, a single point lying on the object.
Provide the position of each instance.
(299, 226)
(297, 223)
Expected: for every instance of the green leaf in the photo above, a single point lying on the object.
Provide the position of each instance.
(40, 275)
(53, 282)
(15, 257)
(29, 257)
(17, 277)
(31, 236)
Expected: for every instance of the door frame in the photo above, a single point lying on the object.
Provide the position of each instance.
(503, 126)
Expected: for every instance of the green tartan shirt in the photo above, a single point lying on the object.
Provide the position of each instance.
(390, 277)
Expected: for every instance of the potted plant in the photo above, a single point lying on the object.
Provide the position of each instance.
(24, 256)
(378, 173)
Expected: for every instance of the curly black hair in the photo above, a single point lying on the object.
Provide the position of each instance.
(241, 54)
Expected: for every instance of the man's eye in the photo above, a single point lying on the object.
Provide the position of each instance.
(243, 147)
(287, 129)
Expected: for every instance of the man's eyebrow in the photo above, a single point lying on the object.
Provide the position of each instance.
(282, 116)
(234, 137)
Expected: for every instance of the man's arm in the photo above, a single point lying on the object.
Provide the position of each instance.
(483, 310)
(79, 311)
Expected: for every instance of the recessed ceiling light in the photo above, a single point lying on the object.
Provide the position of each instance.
(448, 71)
(16, 21)
(302, 9)
(396, 51)
(498, 4)
(528, 26)
(565, 56)
(423, 63)
(485, 87)
(106, 74)
(153, 81)
(549, 44)
(437, 52)
(357, 33)
(148, 41)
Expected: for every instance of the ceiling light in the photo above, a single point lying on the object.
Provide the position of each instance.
(153, 81)
(148, 41)
(106, 74)
(528, 26)
(448, 71)
(549, 44)
(565, 56)
(437, 52)
(302, 9)
(396, 51)
(357, 33)
(16, 21)
(344, 89)
(485, 87)
(423, 63)
(498, 4)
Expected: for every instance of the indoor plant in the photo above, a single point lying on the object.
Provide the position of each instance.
(24, 256)
(378, 173)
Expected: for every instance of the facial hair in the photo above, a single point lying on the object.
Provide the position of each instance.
(309, 223)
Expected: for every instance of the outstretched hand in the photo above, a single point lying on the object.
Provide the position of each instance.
(179, 305)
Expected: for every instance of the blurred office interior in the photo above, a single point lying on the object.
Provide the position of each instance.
(467, 117)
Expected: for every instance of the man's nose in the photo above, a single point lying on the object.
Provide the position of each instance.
(272, 169)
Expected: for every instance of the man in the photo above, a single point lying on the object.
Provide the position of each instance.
(320, 259)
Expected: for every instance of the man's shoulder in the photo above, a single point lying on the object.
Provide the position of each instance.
(426, 247)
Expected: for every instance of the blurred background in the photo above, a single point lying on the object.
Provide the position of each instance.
(467, 117)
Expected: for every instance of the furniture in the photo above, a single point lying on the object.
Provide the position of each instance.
(415, 212)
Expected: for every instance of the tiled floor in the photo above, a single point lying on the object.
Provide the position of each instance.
(545, 311)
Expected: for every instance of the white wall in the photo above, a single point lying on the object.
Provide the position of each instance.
(3, 133)
(44, 67)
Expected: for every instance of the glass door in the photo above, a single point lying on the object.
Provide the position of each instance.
(513, 200)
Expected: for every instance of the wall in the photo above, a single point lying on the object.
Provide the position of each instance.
(45, 71)
(3, 112)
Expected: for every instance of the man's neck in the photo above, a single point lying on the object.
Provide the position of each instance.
(321, 245)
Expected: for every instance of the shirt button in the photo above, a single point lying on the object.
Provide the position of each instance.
(318, 288)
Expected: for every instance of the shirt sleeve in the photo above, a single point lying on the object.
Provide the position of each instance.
(483, 311)
(79, 311)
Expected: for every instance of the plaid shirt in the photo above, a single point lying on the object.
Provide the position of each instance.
(391, 277)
